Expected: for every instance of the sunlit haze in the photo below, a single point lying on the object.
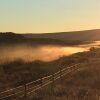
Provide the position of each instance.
(43, 53)
(39, 16)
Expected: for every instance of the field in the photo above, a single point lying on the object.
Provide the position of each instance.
(82, 85)
(19, 72)
(14, 74)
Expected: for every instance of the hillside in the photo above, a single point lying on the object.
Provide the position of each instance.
(75, 35)
(61, 38)
(86, 81)
(14, 74)
(15, 38)
(10, 37)
(82, 85)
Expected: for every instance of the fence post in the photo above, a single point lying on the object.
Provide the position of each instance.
(25, 94)
(52, 87)
(53, 79)
(41, 82)
(61, 74)
(41, 93)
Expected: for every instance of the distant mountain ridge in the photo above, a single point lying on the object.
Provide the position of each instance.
(75, 35)
(61, 38)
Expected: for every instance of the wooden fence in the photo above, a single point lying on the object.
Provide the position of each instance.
(28, 89)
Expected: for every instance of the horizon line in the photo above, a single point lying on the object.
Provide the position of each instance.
(50, 32)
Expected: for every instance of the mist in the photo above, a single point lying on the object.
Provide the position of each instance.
(30, 53)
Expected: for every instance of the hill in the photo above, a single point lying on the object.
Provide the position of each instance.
(36, 39)
(75, 35)
(10, 37)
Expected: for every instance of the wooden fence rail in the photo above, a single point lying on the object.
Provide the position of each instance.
(29, 88)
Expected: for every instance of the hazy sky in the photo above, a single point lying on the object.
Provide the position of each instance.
(37, 16)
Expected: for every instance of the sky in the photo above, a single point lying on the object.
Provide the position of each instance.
(45, 16)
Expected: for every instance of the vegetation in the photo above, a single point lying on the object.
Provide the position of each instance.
(83, 85)
(14, 73)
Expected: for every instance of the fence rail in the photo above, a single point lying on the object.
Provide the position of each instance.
(29, 88)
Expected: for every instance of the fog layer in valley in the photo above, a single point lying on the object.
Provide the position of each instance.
(44, 53)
